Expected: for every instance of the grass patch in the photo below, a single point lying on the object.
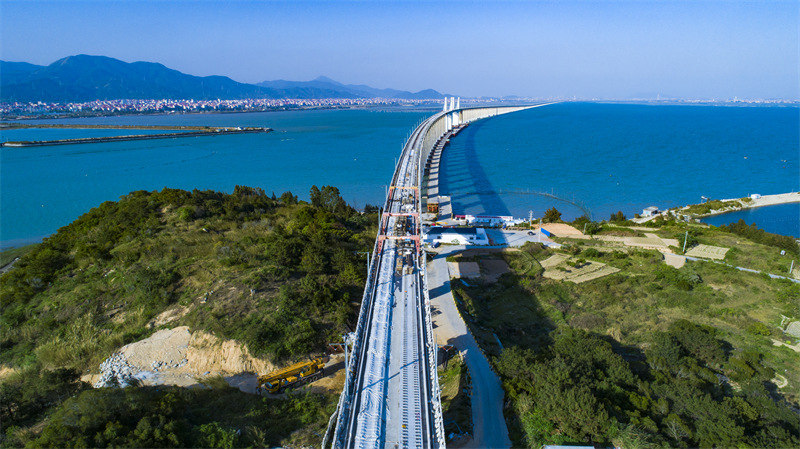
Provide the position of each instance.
(456, 406)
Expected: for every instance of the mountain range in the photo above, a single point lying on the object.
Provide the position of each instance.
(86, 78)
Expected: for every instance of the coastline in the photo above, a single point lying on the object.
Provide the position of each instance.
(60, 116)
(762, 201)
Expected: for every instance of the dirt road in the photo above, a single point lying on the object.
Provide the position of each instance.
(490, 429)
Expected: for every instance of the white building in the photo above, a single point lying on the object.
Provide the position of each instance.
(494, 221)
(455, 236)
(650, 211)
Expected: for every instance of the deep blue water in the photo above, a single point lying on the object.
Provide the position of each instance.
(781, 219)
(612, 157)
(44, 188)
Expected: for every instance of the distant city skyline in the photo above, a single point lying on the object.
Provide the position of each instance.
(604, 50)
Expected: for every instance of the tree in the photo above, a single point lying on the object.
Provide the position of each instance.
(618, 217)
(288, 199)
(592, 228)
(328, 198)
(551, 215)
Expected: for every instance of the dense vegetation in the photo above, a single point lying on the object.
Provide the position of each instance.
(290, 269)
(218, 416)
(580, 390)
(712, 205)
(652, 356)
(456, 403)
(755, 234)
(280, 275)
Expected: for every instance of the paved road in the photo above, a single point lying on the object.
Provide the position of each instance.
(489, 425)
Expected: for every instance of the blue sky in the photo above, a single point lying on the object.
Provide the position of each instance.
(603, 49)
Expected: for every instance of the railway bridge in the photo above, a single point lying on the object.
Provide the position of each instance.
(391, 396)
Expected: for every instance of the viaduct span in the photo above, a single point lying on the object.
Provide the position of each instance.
(391, 393)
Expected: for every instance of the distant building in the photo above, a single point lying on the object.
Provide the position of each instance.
(755, 196)
(456, 236)
(650, 211)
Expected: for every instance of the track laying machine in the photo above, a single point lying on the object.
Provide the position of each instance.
(292, 376)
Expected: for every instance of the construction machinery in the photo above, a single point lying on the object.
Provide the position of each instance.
(292, 376)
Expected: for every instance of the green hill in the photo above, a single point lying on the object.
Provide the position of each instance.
(281, 276)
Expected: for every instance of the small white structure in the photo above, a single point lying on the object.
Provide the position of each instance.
(650, 211)
(494, 221)
(455, 236)
(755, 196)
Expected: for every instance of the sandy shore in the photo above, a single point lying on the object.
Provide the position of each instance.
(764, 200)
(741, 204)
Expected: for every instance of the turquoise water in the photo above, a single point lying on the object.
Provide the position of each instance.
(780, 219)
(610, 157)
(44, 188)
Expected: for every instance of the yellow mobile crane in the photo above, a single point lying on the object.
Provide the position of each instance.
(292, 376)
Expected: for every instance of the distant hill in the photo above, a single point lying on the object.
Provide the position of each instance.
(339, 90)
(87, 78)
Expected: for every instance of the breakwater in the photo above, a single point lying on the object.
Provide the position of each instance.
(16, 125)
(210, 132)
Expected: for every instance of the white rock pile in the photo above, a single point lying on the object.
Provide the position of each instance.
(115, 371)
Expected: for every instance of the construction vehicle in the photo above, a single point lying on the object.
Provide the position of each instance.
(292, 376)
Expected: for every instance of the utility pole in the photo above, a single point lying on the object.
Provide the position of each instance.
(530, 219)
(791, 268)
(685, 239)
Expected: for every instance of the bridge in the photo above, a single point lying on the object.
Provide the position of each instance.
(391, 393)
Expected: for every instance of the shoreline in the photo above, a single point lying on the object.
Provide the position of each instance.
(8, 118)
(727, 206)
(754, 203)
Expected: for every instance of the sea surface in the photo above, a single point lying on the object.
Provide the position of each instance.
(44, 188)
(600, 157)
(781, 219)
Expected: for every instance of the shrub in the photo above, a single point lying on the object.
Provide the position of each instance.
(552, 215)
(757, 235)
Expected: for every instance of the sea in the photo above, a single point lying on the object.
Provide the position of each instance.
(779, 219)
(582, 158)
(597, 159)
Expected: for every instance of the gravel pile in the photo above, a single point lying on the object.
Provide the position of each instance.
(159, 364)
(115, 371)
